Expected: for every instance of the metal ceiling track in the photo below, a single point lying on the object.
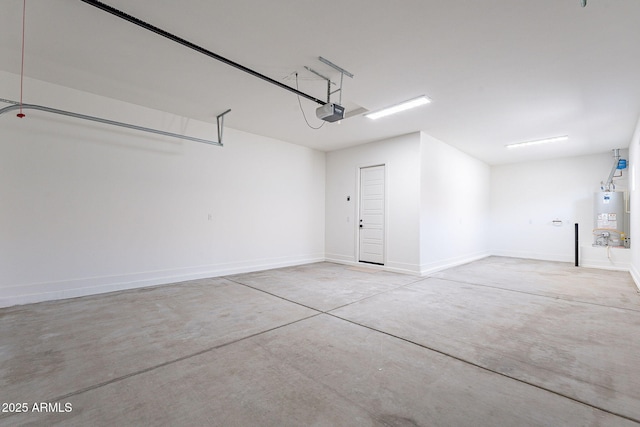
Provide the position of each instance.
(17, 107)
(122, 15)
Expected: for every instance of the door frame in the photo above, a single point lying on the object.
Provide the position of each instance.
(356, 223)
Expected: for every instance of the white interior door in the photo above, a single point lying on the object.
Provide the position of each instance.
(371, 225)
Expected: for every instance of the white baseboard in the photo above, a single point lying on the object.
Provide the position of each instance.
(403, 268)
(395, 267)
(606, 259)
(48, 291)
(412, 269)
(433, 267)
(635, 275)
(535, 255)
(589, 257)
(340, 259)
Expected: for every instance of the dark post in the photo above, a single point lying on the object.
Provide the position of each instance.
(576, 244)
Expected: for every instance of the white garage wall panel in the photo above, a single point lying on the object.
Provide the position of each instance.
(634, 187)
(437, 202)
(401, 157)
(87, 208)
(527, 197)
(454, 215)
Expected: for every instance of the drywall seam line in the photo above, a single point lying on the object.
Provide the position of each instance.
(484, 368)
(164, 364)
(537, 295)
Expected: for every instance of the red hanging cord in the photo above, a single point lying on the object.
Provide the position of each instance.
(24, 12)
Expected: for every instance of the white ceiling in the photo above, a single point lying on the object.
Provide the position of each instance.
(498, 71)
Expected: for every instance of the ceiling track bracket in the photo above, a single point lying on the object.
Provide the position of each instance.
(220, 123)
(342, 72)
(18, 106)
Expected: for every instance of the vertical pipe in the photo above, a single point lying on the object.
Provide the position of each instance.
(24, 14)
(328, 91)
(576, 243)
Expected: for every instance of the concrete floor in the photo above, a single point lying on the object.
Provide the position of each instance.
(498, 342)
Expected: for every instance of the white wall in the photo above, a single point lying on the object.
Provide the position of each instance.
(437, 203)
(527, 197)
(401, 156)
(454, 214)
(87, 208)
(634, 188)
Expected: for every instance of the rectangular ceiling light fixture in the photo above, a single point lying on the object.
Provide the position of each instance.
(406, 105)
(538, 141)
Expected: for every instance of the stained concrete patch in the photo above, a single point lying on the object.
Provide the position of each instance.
(50, 349)
(322, 372)
(585, 351)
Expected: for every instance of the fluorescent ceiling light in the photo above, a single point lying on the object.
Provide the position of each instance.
(538, 141)
(406, 105)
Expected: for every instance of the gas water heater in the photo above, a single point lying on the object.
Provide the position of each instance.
(609, 209)
(608, 218)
